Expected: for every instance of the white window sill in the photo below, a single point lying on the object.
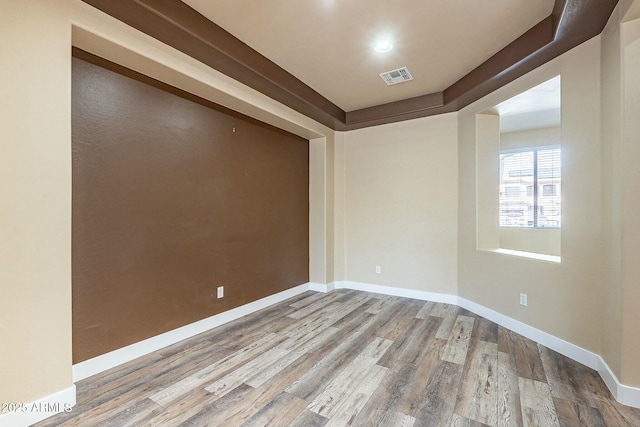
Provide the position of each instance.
(531, 255)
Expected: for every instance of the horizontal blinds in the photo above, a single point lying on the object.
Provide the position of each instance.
(530, 183)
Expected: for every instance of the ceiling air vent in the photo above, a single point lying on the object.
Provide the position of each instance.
(396, 76)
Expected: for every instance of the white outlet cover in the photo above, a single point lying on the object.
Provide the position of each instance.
(523, 299)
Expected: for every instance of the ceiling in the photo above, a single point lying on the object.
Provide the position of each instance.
(538, 107)
(328, 44)
(316, 56)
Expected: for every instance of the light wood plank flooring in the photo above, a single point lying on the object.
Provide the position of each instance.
(350, 358)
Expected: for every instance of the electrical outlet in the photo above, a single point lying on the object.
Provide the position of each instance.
(523, 299)
(378, 269)
(220, 291)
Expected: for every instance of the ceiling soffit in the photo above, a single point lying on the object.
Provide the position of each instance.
(173, 22)
(328, 44)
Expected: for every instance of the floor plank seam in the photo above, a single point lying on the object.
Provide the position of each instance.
(350, 358)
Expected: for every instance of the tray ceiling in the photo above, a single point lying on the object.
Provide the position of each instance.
(316, 56)
(328, 44)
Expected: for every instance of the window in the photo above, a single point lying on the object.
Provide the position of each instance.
(512, 191)
(530, 187)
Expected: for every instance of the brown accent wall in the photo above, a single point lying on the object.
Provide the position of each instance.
(172, 198)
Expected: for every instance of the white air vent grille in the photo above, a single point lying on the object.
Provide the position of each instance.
(396, 76)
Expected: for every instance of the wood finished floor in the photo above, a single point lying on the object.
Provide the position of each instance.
(350, 358)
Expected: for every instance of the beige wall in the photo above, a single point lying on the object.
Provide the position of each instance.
(402, 196)
(323, 234)
(35, 194)
(536, 240)
(339, 222)
(487, 140)
(35, 169)
(541, 241)
(401, 204)
(621, 196)
(611, 107)
(318, 244)
(630, 176)
(531, 138)
(563, 297)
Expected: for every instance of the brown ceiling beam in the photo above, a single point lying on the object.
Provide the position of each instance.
(473, 85)
(393, 109)
(571, 23)
(557, 13)
(580, 20)
(181, 27)
(527, 44)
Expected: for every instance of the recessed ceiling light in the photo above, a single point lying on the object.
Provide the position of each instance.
(383, 46)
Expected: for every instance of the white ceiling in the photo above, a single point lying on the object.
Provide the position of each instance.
(328, 44)
(545, 96)
(538, 107)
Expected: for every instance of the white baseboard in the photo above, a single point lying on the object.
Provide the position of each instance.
(563, 347)
(609, 378)
(627, 395)
(397, 292)
(27, 414)
(624, 394)
(319, 287)
(117, 357)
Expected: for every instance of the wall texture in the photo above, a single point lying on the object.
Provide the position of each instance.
(400, 204)
(35, 200)
(620, 92)
(35, 209)
(542, 241)
(35, 254)
(630, 176)
(564, 297)
(611, 112)
(170, 200)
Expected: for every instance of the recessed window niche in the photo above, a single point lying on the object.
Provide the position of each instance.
(519, 174)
